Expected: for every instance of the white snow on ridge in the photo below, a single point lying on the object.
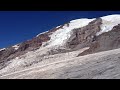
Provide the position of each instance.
(45, 31)
(108, 22)
(41, 33)
(58, 26)
(16, 47)
(59, 37)
(2, 49)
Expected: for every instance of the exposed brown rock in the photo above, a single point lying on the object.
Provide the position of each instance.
(6, 53)
(83, 37)
(34, 43)
(106, 41)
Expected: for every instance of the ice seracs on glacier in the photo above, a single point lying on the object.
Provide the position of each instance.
(59, 37)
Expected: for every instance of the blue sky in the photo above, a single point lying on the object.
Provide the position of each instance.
(19, 26)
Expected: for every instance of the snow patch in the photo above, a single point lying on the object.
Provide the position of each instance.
(108, 22)
(2, 49)
(16, 47)
(58, 26)
(41, 33)
(59, 37)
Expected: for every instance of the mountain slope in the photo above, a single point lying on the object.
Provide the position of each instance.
(103, 65)
(73, 41)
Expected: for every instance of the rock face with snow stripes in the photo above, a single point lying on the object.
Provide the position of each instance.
(82, 36)
(106, 41)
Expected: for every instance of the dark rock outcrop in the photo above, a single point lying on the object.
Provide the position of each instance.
(35, 43)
